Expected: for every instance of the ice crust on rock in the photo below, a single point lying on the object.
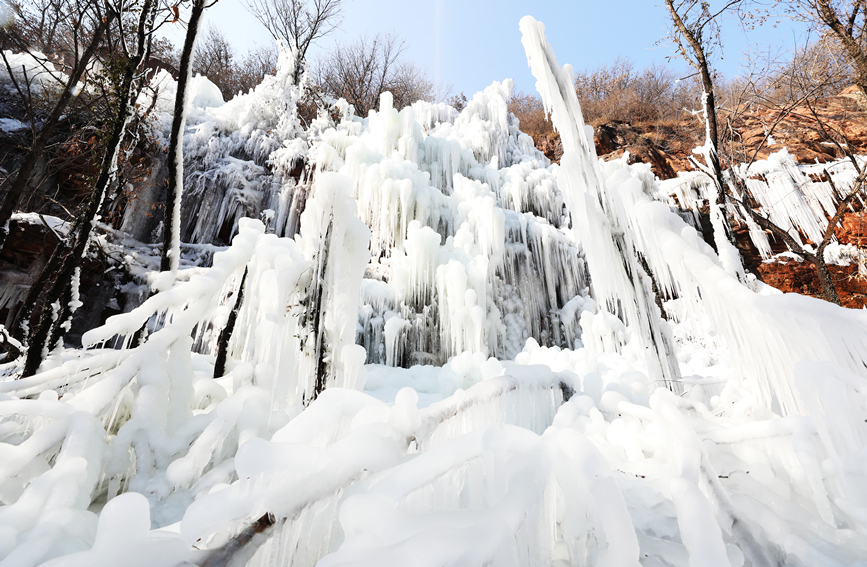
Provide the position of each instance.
(449, 352)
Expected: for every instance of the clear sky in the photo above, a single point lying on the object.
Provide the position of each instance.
(470, 43)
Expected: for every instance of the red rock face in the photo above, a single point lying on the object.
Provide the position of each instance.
(791, 276)
(645, 146)
(667, 147)
(551, 146)
(853, 229)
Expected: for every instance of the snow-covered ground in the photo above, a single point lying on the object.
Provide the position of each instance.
(459, 360)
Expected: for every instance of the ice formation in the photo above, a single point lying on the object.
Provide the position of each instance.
(35, 73)
(799, 198)
(449, 352)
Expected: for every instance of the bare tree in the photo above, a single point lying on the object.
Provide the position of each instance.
(819, 64)
(410, 83)
(528, 108)
(215, 59)
(67, 256)
(258, 62)
(459, 101)
(695, 33)
(362, 70)
(843, 20)
(298, 24)
(165, 55)
(86, 23)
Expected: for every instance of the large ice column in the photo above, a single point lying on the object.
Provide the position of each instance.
(336, 242)
(598, 221)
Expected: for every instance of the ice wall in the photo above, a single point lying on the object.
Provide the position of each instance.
(768, 335)
(469, 245)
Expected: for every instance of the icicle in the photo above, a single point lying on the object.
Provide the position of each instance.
(598, 219)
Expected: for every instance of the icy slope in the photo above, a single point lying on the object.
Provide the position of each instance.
(625, 472)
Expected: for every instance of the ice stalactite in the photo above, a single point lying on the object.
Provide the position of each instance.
(792, 200)
(217, 199)
(799, 198)
(598, 220)
(727, 252)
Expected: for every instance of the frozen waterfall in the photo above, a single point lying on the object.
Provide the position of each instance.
(449, 352)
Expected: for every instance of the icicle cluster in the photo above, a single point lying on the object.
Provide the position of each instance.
(467, 231)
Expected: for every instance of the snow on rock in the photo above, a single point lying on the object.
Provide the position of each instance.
(204, 93)
(34, 72)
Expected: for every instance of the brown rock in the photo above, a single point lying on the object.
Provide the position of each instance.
(791, 276)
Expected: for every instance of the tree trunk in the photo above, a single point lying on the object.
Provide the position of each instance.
(314, 313)
(226, 333)
(825, 279)
(700, 63)
(171, 223)
(318, 313)
(80, 237)
(854, 48)
(14, 191)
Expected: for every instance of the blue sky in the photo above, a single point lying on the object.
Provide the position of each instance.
(470, 43)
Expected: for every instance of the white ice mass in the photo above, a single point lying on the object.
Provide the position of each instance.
(448, 351)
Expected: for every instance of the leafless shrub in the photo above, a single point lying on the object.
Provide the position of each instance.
(215, 59)
(258, 62)
(297, 23)
(822, 64)
(530, 112)
(362, 70)
(619, 92)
